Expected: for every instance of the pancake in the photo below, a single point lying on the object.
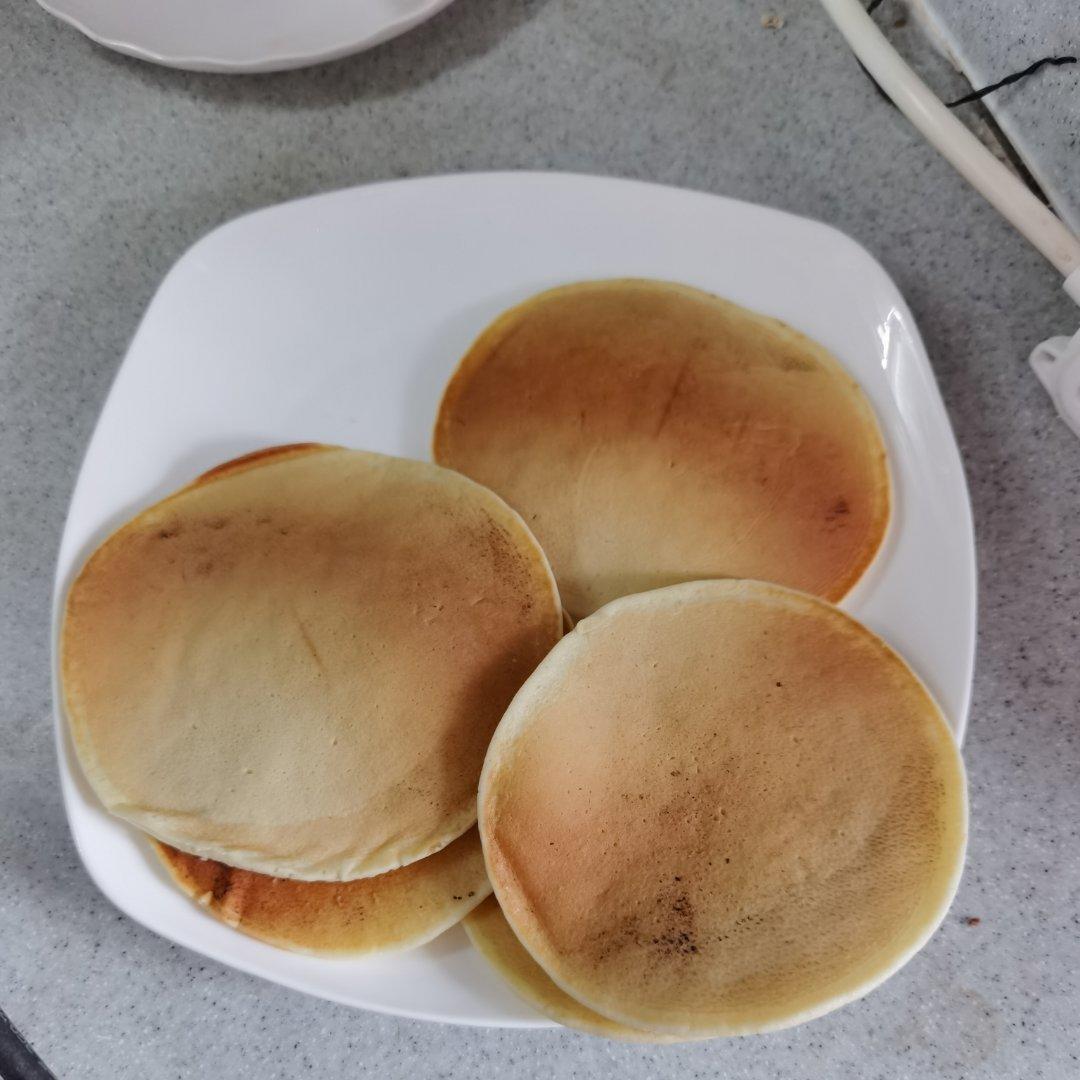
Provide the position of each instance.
(722, 808)
(397, 910)
(294, 665)
(495, 940)
(650, 433)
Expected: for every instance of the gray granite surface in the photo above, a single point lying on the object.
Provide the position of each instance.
(1041, 115)
(110, 168)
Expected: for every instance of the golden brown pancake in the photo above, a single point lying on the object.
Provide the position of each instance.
(650, 433)
(496, 941)
(396, 910)
(295, 664)
(720, 808)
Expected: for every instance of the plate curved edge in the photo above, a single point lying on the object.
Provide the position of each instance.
(285, 61)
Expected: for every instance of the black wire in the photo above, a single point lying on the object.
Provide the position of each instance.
(975, 95)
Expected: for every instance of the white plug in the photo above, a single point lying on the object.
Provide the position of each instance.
(1057, 363)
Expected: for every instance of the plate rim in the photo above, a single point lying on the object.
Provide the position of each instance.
(223, 65)
(106, 886)
(66, 762)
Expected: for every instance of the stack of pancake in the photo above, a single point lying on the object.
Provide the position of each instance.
(288, 674)
(718, 805)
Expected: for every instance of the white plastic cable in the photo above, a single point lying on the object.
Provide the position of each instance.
(1002, 188)
(1055, 361)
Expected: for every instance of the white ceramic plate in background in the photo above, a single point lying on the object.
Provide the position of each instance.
(241, 35)
(339, 319)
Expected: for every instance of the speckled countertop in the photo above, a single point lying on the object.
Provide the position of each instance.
(109, 169)
(990, 39)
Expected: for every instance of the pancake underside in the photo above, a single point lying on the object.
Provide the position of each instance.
(400, 909)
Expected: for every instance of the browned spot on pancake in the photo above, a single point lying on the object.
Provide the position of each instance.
(223, 878)
(308, 642)
(491, 934)
(672, 394)
(506, 558)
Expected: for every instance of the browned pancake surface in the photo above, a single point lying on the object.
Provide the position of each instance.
(722, 807)
(495, 939)
(295, 664)
(651, 433)
(396, 910)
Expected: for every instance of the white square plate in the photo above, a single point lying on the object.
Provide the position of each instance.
(339, 319)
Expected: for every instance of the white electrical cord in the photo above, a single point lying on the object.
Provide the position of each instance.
(1056, 361)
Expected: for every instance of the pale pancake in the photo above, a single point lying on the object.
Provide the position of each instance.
(397, 910)
(496, 941)
(721, 808)
(294, 665)
(651, 433)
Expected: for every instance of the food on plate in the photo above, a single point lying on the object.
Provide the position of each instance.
(294, 664)
(496, 941)
(396, 910)
(650, 433)
(347, 695)
(722, 807)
